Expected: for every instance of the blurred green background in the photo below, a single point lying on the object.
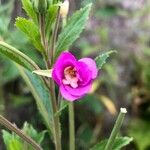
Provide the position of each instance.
(122, 25)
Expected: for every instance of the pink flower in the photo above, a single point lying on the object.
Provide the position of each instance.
(74, 77)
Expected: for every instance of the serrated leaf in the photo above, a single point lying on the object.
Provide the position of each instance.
(17, 56)
(72, 30)
(28, 7)
(36, 136)
(31, 30)
(101, 59)
(45, 73)
(119, 143)
(41, 95)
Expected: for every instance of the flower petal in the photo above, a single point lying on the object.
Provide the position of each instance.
(92, 66)
(79, 91)
(67, 95)
(65, 59)
(84, 74)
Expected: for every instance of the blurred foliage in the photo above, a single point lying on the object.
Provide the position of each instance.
(139, 130)
(119, 143)
(14, 142)
(124, 81)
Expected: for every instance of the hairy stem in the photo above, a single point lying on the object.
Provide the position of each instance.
(116, 129)
(71, 127)
(56, 121)
(13, 128)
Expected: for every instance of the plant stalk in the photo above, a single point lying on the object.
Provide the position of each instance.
(71, 127)
(116, 129)
(13, 128)
(56, 121)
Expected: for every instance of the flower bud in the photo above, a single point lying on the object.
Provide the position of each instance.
(40, 6)
(64, 9)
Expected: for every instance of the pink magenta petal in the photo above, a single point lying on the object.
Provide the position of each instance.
(65, 59)
(92, 66)
(65, 94)
(79, 91)
(55, 78)
(84, 73)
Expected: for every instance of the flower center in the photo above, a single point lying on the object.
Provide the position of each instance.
(70, 77)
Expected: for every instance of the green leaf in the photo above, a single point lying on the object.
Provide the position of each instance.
(63, 105)
(5, 17)
(36, 136)
(50, 18)
(139, 130)
(17, 56)
(28, 7)
(31, 30)
(72, 30)
(119, 143)
(93, 106)
(101, 59)
(12, 141)
(45, 73)
(10, 72)
(40, 93)
(6, 137)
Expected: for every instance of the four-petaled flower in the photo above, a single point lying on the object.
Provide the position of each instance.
(74, 77)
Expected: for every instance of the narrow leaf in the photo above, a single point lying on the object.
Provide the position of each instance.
(63, 105)
(50, 18)
(72, 30)
(46, 73)
(28, 7)
(120, 142)
(31, 30)
(41, 95)
(17, 56)
(101, 59)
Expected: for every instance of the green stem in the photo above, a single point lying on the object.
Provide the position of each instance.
(116, 129)
(56, 121)
(13, 128)
(71, 127)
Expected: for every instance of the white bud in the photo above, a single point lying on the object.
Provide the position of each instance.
(123, 110)
(64, 9)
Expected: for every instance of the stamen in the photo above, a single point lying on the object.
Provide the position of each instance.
(70, 77)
